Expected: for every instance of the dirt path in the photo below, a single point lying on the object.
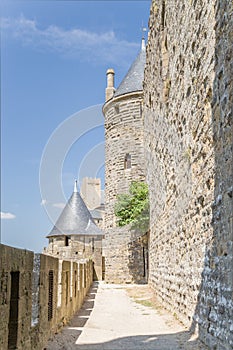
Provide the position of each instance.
(118, 317)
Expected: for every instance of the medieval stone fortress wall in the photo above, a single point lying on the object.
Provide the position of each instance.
(188, 99)
(39, 295)
(171, 126)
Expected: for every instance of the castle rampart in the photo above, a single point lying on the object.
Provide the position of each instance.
(188, 99)
(39, 294)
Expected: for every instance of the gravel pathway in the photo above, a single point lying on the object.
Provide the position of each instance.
(117, 317)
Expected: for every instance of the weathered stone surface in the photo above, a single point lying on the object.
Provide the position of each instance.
(78, 248)
(125, 256)
(15, 300)
(188, 99)
(37, 300)
(123, 135)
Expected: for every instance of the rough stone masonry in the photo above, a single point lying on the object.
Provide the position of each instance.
(188, 102)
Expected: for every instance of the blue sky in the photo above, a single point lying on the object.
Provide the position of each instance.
(54, 56)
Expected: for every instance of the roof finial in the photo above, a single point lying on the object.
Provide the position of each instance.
(143, 38)
(75, 187)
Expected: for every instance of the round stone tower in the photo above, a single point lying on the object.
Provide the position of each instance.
(125, 251)
(124, 152)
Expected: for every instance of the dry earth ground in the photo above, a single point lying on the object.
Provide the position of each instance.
(115, 317)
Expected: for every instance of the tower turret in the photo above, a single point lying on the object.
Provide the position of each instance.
(109, 91)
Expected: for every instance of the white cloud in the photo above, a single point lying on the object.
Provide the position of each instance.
(59, 205)
(7, 216)
(73, 43)
(43, 202)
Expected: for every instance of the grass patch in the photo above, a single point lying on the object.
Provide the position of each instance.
(144, 302)
(143, 295)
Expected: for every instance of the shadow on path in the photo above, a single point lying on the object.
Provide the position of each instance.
(106, 336)
(70, 334)
(176, 341)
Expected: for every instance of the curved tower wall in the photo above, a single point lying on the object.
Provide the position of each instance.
(125, 251)
(123, 136)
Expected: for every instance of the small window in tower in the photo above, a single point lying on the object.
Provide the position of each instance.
(117, 109)
(127, 162)
(163, 19)
(67, 241)
(93, 244)
(150, 101)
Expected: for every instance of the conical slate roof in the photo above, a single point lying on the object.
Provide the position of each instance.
(75, 219)
(133, 80)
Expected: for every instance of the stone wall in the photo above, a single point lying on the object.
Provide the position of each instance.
(125, 256)
(15, 297)
(188, 144)
(78, 248)
(38, 296)
(91, 192)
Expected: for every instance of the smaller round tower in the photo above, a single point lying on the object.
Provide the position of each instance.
(75, 236)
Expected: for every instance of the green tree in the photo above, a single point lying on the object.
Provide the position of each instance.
(133, 207)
